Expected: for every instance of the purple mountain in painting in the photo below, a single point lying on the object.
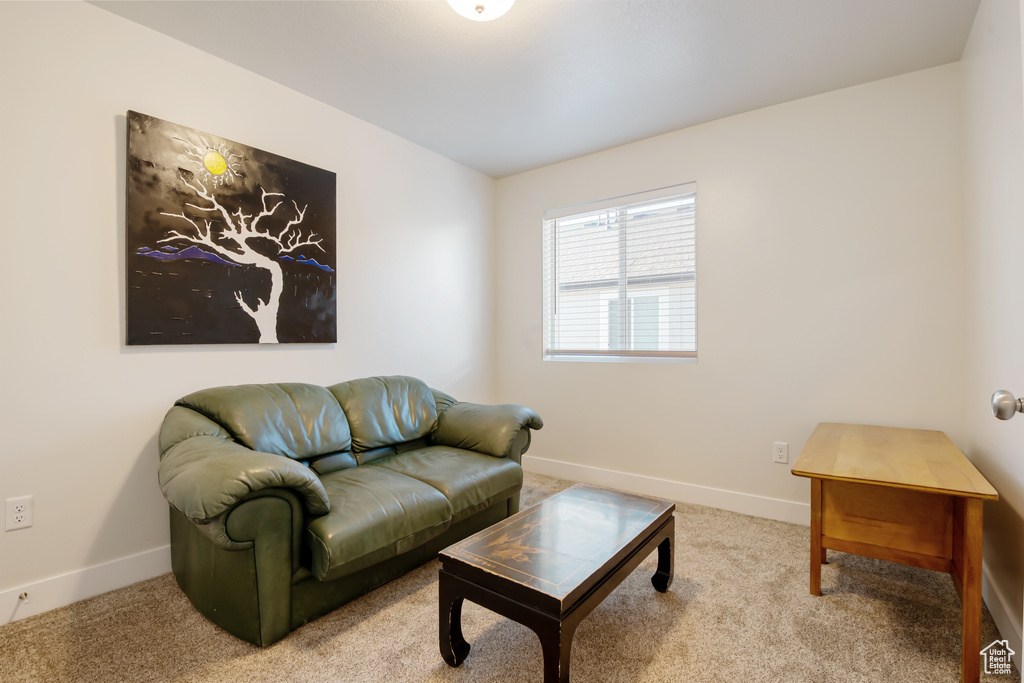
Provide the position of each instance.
(308, 261)
(170, 253)
(173, 254)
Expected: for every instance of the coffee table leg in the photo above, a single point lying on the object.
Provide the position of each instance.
(556, 644)
(662, 578)
(454, 648)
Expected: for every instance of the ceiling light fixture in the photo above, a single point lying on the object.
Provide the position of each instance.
(481, 10)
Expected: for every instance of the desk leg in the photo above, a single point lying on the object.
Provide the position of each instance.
(817, 552)
(968, 567)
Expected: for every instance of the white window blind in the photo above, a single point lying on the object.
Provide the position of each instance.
(620, 278)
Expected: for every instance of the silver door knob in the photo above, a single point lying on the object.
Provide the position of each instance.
(1005, 406)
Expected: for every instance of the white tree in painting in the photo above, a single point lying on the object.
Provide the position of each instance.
(244, 239)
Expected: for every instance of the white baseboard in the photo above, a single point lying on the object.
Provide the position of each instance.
(744, 503)
(85, 583)
(748, 504)
(1009, 629)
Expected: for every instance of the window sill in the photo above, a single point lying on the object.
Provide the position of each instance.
(613, 358)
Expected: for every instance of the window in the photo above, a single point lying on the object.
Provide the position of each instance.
(620, 279)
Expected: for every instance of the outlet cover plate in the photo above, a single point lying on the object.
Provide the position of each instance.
(18, 513)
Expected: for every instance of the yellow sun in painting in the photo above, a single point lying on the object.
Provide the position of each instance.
(215, 163)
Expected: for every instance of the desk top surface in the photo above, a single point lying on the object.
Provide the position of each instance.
(917, 459)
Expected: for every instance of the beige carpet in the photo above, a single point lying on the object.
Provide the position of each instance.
(738, 610)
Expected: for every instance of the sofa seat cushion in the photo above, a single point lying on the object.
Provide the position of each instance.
(470, 481)
(375, 514)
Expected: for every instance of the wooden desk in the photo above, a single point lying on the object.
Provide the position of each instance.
(902, 495)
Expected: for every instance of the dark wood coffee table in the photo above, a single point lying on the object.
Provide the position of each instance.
(550, 565)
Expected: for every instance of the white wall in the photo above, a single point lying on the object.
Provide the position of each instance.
(79, 411)
(994, 143)
(830, 288)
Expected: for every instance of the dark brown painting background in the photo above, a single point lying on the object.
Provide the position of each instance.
(182, 293)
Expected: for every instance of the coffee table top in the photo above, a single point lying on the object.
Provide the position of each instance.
(918, 459)
(550, 554)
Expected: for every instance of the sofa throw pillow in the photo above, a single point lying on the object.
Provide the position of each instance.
(383, 411)
(295, 420)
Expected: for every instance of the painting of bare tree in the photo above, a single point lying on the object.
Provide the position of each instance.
(225, 243)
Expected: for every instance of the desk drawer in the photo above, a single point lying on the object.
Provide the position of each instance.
(891, 519)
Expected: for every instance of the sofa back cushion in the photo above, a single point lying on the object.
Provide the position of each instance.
(295, 420)
(384, 411)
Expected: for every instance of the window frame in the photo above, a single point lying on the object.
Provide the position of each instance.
(599, 323)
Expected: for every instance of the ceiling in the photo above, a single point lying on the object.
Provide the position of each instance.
(556, 79)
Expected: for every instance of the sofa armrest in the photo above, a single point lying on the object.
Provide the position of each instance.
(482, 428)
(204, 477)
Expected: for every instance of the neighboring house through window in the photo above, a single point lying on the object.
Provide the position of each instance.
(620, 278)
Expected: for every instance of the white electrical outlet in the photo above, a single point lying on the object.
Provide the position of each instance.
(18, 513)
(780, 452)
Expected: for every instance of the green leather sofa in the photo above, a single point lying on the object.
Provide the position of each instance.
(288, 500)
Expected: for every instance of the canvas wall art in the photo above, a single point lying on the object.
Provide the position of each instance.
(226, 244)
